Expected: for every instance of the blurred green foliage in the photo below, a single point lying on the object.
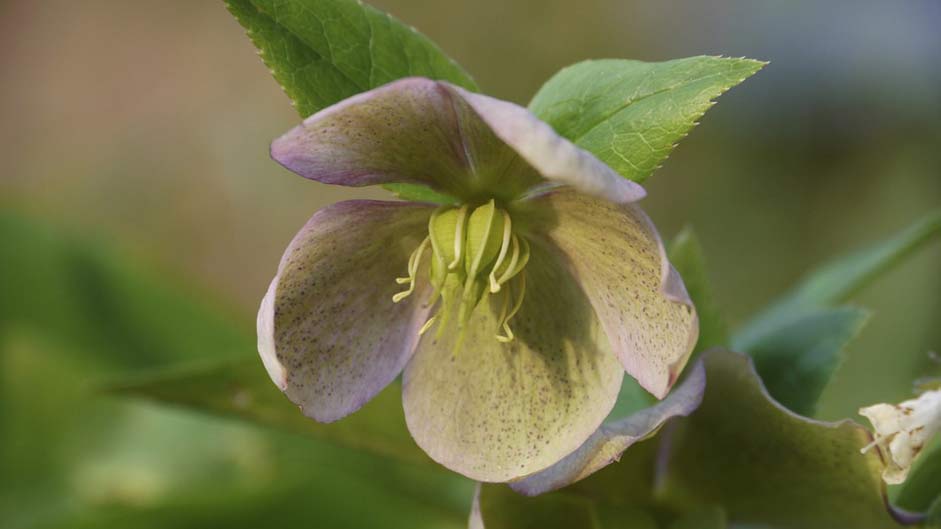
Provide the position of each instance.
(72, 457)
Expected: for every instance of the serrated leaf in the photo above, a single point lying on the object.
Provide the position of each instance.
(767, 466)
(243, 390)
(630, 114)
(323, 51)
(686, 255)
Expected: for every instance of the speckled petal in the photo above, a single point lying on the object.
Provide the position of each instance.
(554, 157)
(614, 251)
(413, 130)
(499, 411)
(328, 332)
(607, 444)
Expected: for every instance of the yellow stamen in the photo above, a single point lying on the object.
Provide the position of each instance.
(507, 237)
(505, 318)
(413, 261)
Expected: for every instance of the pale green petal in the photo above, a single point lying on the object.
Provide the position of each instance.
(611, 440)
(328, 332)
(614, 251)
(499, 411)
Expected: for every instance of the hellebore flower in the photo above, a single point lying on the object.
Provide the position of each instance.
(903, 430)
(513, 312)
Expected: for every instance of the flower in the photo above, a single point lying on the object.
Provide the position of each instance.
(513, 312)
(903, 430)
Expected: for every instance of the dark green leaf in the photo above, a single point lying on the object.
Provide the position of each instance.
(324, 51)
(797, 359)
(767, 466)
(630, 114)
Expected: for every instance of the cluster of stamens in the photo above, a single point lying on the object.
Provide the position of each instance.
(474, 253)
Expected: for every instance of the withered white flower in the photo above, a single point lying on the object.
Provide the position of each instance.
(901, 431)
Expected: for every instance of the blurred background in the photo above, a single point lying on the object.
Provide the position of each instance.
(141, 220)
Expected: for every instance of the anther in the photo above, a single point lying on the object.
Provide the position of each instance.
(505, 318)
(413, 261)
(507, 237)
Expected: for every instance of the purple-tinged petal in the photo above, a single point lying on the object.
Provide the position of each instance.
(614, 251)
(607, 444)
(498, 411)
(328, 332)
(554, 157)
(413, 130)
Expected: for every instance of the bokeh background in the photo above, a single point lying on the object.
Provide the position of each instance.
(141, 220)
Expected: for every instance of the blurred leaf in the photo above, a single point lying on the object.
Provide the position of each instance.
(74, 311)
(797, 341)
(765, 465)
(835, 282)
(630, 114)
(419, 193)
(797, 359)
(244, 390)
(686, 255)
(324, 51)
(123, 315)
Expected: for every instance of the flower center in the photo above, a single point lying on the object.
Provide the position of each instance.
(474, 252)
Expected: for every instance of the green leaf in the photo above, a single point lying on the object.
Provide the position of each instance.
(243, 390)
(419, 193)
(797, 358)
(797, 341)
(686, 255)
(767, 466)
(630, 114)
(922, 488)
(324, 51)
(836, 281)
